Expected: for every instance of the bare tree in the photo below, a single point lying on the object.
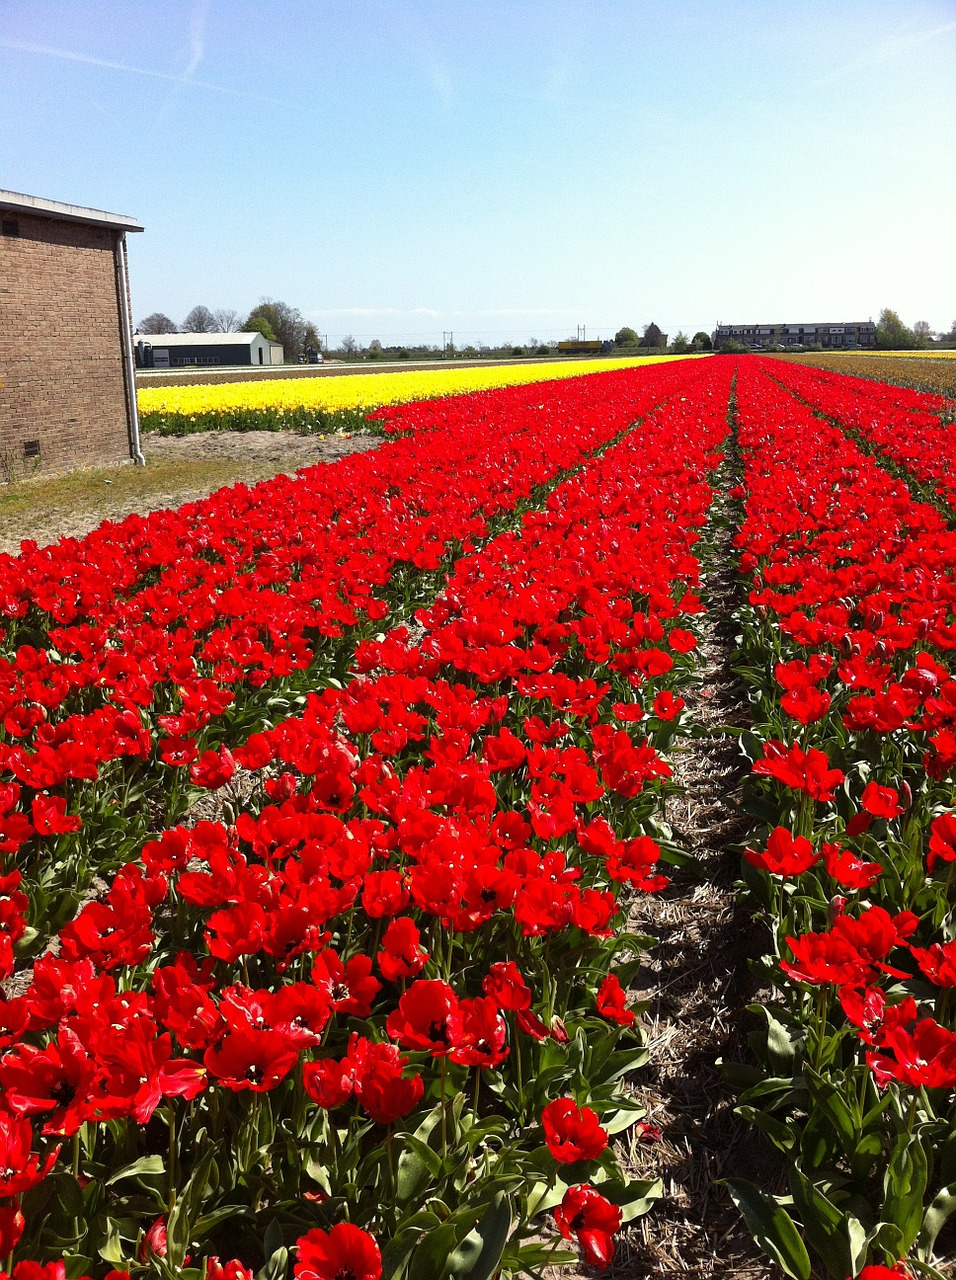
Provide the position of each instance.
(200, 320)
(924, 334)
(349, 345)
(157, 323)
(227, 320)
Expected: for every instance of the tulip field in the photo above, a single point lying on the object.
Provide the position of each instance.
(324, 404)
(931, 371)
(324, 805)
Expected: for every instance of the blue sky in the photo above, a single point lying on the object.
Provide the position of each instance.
(504, 168)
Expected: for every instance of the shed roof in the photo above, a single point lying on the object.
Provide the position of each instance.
(199, 339)
(15, 201)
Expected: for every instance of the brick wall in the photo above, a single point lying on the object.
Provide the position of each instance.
(61, 355)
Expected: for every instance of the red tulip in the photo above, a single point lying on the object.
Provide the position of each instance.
(572, 1132)
(586, 1214)
(344, 1253)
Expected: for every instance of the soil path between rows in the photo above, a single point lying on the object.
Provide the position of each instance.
(699, 983)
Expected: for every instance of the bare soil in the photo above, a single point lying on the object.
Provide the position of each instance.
(699, 984)
(284, 450)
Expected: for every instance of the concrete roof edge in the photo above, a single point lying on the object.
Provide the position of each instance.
(244, 338)
(15, 200)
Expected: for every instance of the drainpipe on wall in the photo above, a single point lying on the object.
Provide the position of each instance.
(122, 289)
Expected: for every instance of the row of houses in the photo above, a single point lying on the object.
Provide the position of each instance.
(854, 333)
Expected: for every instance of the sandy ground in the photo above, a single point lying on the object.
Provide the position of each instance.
(257, 456)
(285, 450)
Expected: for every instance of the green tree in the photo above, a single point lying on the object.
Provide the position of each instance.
(286, 323)
(626, 337)
(892, 334)
(701, 341)
(259, 324)
(681, 344)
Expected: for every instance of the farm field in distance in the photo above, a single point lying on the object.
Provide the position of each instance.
(525, 842)
(933, 372)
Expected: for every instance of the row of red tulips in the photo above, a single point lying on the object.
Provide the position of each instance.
(377, 1013)
(131, 654)
(847, 637)
(909, 428)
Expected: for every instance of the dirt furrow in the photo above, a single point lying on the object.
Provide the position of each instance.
(698, 983)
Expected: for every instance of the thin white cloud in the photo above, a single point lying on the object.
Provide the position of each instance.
(883, 51)
(197, 37)
(412, 28)
(70, 55)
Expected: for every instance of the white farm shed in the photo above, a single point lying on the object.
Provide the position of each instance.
(194, 350)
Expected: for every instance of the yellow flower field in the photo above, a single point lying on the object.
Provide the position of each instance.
(326, 402)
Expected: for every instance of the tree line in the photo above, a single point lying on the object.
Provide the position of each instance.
(653, 339)
(893, 335)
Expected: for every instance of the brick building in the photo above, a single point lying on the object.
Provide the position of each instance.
(67, 397)
(855, 333)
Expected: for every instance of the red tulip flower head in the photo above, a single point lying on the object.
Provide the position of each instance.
(785, 854)
(942, 840)
(881, 802)
(612, 1002)
(232, 1270)
(427, 1017)
(572, 1132)
(506, 986)
(586, 1214)
(344, 1253)
(876, 1271)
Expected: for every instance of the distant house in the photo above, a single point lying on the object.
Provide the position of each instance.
(195, 350)
(66, 360)
(653, 337)
(856, 333)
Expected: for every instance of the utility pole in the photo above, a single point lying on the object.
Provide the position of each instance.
(582, 332)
